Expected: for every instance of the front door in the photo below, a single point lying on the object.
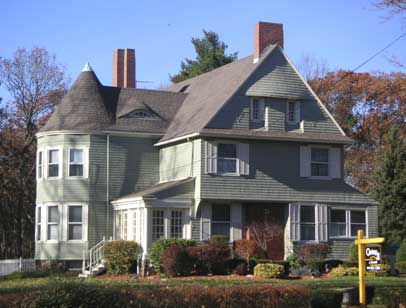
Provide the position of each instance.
(271, 217)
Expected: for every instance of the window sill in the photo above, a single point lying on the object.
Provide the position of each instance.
(349, 238)
(321, 178)
(51, 242)
(227, 174)
(76, 241)
(53, 178)
(76, 178)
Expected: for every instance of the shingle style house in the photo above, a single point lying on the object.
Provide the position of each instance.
(207, 156)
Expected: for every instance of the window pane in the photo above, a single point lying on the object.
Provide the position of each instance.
(157, 224)
(176, 224)
(53, 156)
(76, 156)
(307, 214)
(220, 229)
(75, 232)
(38, 232)
(338, 216)
(319, 169)
(226, 165)
(75, 170)
(52, 232)
(307, 232)
(227, 150)
(220, 212)
(356, 227)
(39, 215)
(319, 155)
(53, 215)
(337, 229)
(291, 112)
(358, 217)
(53, 170)
(118, 225)
(75, 214)
(40, 158)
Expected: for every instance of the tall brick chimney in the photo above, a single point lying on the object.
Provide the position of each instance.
(266, 33)
(124, 68)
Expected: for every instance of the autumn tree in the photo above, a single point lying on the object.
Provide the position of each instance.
(210, 54)
(35, 83)
(389, 185)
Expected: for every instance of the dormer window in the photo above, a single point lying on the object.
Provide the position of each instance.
(257, 109)
(293, 112)
(140, 114)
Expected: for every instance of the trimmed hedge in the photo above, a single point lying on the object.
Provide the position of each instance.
(158, 248)
(121, 256)
(210, 258)
(268, 270)
(342, 271)
(177, 262)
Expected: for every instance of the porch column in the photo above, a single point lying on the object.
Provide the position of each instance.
(146, 234)
(236, 221)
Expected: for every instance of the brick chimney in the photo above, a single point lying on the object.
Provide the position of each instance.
(266, 33)
(124, 68)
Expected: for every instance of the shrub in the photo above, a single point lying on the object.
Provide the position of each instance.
(24, 275)
(245, 249)
(210, 258)
(159, 246)
(177, 262)
(353, 253)
(342, 271)
(313, 254)
(121, 256)
(401, 267)
(301, 271)
(268, 270)
(294, 261)
(219, 240)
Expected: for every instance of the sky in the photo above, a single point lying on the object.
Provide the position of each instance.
(342, 33)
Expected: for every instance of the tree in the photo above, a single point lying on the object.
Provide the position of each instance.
(35, 83)
(390, 185)
(264, 232)
(395, 6)
(210, 55)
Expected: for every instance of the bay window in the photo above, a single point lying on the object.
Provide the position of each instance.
(53, 163)
(220, 222)
(40, 165)
(53, 223)
(158, 224)
(75, 223)
(39, 223)
(307, 223)
(76, 162)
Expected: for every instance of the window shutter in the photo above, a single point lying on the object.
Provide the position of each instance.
(294, 222)
(205, 221)
(236, 221)
(85, 162)
(297, 112)
(211, 157)
(243, 154)
(305, 161)
(321, 222)
(335, 163)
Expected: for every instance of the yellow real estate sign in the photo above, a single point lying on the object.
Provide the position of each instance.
(373, 261)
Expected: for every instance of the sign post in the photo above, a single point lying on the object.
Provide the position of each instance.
(362, 266)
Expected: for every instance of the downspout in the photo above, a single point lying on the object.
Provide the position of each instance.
(108, 183)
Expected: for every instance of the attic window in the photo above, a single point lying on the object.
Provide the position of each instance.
(183, 89)
(139, 114)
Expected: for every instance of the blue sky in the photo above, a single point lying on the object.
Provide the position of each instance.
(344, 33)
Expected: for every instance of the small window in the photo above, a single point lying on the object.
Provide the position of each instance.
(140, 114)
(319, 162)
(39, 165)
(184, 88)
(75, 223)
(176, 224)
(135, 225)
(357, 222)
(125, 225)
(39, 223)
(220, 220)
(53, 163)
(76, 162)
(307, 223)
(293, 112)
(158, 224)
(338, 223)
(53, 223)
(257, 109)
(227, 158)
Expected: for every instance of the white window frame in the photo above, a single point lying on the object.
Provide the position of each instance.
(75, 223)
(60, 163)
(123, 230)
(296, 112)
(212, 221)
(85, 162)
(40, 164)
(178, 218)
(237, 160)
(320, 177)
(315, 223)
(259, 114)
(348, 222)
(57, 223)
(163, 225)
(39, 224)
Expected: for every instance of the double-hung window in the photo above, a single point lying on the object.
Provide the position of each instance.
(319, 162)
(39, 223)
(257, 109)
(76, 162)
(53, 163)
(357, 222)
(346, 222)
(158, 224)
(53, 223)
(338, 223)
(121, 227)
(220, 223)
(293, 112)
(307, 223)
(176, 224)
(227, 158)
(75, 223)
(40, 165)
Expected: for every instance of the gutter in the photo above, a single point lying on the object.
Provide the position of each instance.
(186, 137)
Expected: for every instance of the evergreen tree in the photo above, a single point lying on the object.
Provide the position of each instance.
(210, 55)
(390, 186)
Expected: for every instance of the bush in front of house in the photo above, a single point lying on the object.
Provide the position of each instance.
(268, 270)
(245, 249)
(121, 256)
(177, 262)
(342, 271)
(401, 258)
(353, 253)
(159, 246)
(313, 254)
(219, 240)
(210, 258)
